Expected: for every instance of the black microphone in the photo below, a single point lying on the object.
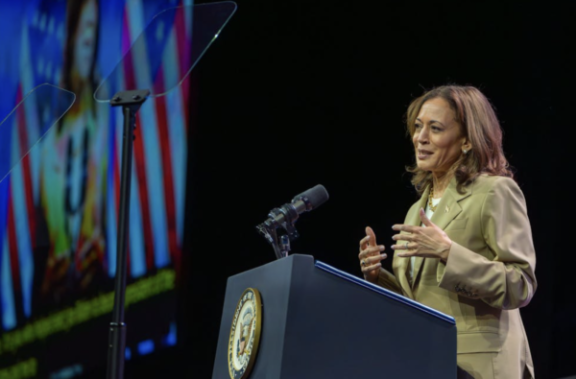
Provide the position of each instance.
(285, 217)
(305, 202)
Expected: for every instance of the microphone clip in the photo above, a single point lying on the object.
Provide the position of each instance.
(282, 219)
(279, 228)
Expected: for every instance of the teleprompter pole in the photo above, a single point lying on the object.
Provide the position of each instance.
(130, 101)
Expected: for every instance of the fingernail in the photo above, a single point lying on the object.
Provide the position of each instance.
(382, 247)
(383, 255)
(393, 247)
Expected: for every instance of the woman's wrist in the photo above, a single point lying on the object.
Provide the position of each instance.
(444, 253)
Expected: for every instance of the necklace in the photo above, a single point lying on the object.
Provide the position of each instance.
(430, 204)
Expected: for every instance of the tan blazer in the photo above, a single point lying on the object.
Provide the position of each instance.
(488, 276)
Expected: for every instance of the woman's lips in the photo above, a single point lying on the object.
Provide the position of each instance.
(423, 154)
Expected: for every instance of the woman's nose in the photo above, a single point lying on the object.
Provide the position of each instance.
(422, 135)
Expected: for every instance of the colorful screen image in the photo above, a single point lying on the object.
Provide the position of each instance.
(59, 204)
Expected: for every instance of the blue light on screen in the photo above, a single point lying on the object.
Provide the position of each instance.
(146, 347)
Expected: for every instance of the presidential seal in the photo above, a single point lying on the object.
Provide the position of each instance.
(245, 334)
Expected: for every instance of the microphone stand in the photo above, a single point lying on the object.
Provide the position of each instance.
(280, 244)
(130, 101)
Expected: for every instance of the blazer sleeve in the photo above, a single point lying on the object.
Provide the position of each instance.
(387, 280)
(508, 280)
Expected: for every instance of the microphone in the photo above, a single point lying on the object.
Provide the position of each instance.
(285, 217)
(305, 202)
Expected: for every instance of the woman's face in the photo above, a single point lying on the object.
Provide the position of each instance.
(438, 137)
(85, 41)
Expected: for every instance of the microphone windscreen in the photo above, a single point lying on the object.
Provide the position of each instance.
(315, 196)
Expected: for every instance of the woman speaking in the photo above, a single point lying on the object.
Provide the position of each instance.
(465, 248)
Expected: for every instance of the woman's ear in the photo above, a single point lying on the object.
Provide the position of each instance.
(466, 146)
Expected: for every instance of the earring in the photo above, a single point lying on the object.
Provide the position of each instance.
(465, 151)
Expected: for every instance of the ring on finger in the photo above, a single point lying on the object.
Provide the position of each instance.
(363, 262)
(406, 245)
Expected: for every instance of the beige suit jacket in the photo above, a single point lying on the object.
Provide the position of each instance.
(489, 274)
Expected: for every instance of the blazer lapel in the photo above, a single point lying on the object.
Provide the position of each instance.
(416, 221)
(447, 210)
(412, 218)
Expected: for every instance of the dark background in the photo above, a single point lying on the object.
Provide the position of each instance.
(293, 94)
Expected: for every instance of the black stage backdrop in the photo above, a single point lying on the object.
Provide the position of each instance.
(294, 94)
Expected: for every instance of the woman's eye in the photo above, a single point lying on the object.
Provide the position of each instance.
(436, 129)
(418, 126)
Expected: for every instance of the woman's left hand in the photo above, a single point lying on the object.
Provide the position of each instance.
(428, 241)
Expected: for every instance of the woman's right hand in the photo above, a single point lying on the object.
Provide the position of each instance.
(370, 256)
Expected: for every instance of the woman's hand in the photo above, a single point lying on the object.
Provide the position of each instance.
(370, 256)
(429, 241)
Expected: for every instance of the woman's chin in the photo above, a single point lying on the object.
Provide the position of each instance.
(424, 166)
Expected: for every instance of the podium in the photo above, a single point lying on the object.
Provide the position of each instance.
(320, 322)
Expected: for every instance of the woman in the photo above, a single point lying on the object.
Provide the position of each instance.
(74, 167)
(465, 248)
